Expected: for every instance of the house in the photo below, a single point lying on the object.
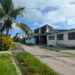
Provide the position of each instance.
(63, 38)
(47, 35)
(41, 33)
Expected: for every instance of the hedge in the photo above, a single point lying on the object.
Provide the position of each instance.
(5, 43)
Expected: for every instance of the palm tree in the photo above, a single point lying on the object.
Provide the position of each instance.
(11, 14)
(24, 28)
(2, 14)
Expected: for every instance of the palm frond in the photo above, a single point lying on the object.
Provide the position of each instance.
(11, 14)
(17, 12)
(7, 5)
(6, 25)
(2, 14)
(24, 28)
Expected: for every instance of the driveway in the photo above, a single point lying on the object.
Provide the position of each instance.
(59, 62)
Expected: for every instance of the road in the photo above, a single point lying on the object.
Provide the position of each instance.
(62, 63)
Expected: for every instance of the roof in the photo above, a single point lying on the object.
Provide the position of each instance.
(43, 26)
(62, 31)
(51, 32)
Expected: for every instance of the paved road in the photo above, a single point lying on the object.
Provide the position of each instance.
(59, 62)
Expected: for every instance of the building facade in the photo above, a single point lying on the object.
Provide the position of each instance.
(40, 34)
(46, 35)
(63, 38)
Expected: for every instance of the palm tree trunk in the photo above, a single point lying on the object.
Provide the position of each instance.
(1, 33)
(7, 31)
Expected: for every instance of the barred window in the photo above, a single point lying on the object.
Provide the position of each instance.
(71, 36)
(60, 37)
(51, 37)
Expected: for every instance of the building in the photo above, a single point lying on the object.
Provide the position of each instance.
(41, 33)
(47, 35)
(63, 38)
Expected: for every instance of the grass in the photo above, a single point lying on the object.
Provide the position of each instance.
(14, 47)
(69, 53)
(30, 65)
(6, 65)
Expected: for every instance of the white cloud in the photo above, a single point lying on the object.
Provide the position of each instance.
(68, 11)
(15, 27)
(71, 22)
(36, 24)
(34, 15)
(65, 12)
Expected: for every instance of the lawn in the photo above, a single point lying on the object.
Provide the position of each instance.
(6, 65)
(30, 65)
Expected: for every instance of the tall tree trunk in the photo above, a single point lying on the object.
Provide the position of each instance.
(7, 31)
(1, 33)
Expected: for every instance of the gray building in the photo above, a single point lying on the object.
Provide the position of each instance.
(41, 34)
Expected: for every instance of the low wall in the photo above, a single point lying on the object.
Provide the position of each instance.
(30, 41)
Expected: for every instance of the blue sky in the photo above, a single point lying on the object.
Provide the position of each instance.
(58, 13)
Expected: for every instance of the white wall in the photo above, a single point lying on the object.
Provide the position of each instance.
(65, 42)
(33, 41)
(51, 42)
(30, 41)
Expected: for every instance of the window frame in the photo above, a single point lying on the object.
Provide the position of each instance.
(50, 37)
(60, 36)
(71, 36)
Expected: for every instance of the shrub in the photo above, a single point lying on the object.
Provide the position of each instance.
(5, 43)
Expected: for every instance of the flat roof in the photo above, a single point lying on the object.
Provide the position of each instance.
(42, 26)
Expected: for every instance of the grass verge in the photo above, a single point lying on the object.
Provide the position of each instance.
(14, 47)
(30, 65)
(69, 53)
(6, 65)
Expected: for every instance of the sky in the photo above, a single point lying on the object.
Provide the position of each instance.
(57, 13)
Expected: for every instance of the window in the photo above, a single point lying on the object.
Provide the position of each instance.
(43, 29)
(36, 31)
(60, 37)
(71, 36)
(51, 37)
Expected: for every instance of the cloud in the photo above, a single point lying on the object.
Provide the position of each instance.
(34, 15)
(58, 12)
(36, 24)
(15, 27)
(71, 22)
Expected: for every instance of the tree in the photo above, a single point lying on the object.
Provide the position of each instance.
(2, 14)
(24, 28)
(11, 14)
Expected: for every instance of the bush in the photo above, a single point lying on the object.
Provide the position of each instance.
(5, 43)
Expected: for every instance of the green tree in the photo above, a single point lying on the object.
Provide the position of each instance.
(24, 28)
(11, 14)
(2, 14)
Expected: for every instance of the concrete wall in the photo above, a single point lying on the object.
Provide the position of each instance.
(51, 42)
(30, 41)
(64, 43)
